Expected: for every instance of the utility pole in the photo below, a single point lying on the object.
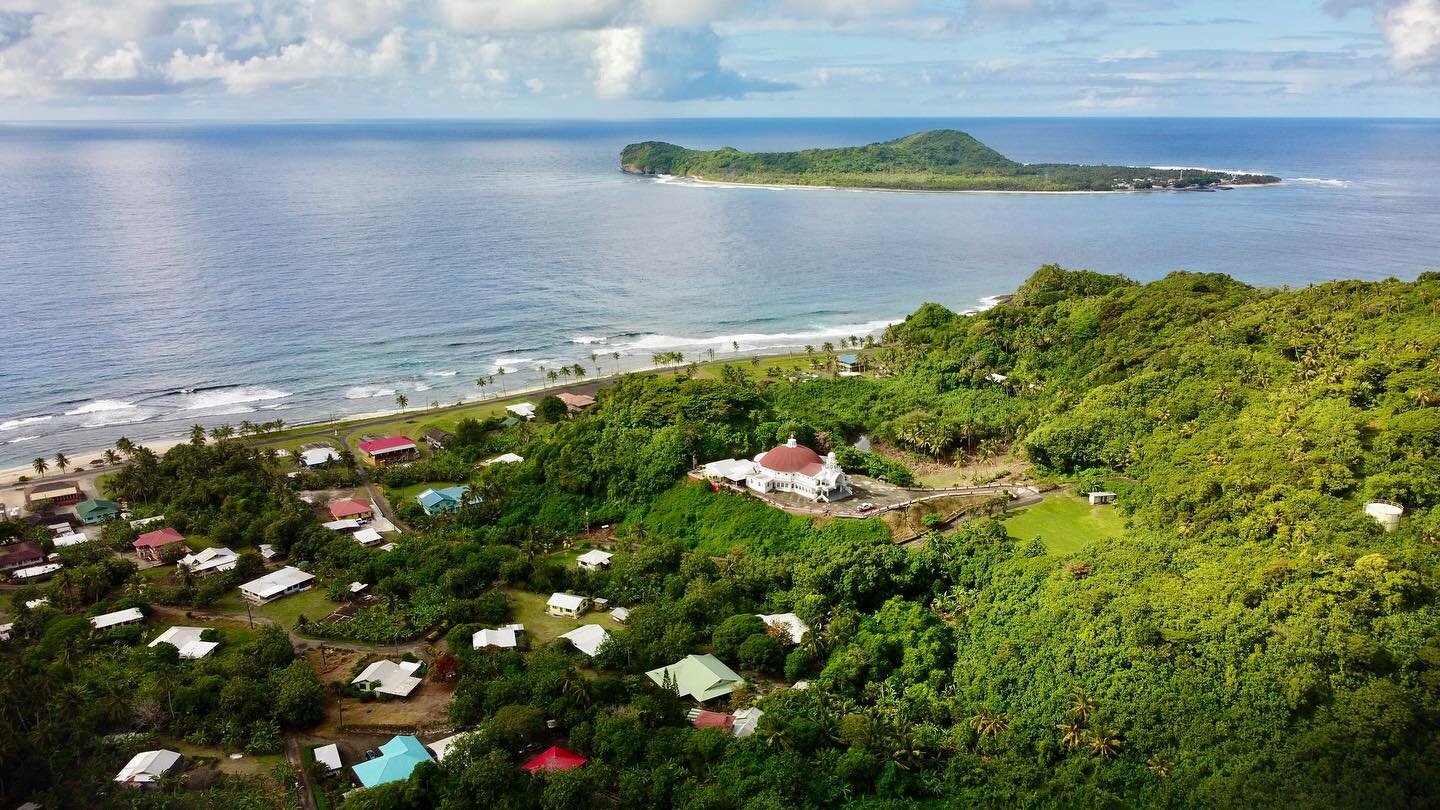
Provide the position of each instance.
(248, 616)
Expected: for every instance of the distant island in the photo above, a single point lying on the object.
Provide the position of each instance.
(936, 160)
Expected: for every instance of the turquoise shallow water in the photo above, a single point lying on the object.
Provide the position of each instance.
(158, 275)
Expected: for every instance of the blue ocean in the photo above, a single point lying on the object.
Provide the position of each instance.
(157, 275)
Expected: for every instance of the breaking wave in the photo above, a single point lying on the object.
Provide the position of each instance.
(225, 397)
(23, 421)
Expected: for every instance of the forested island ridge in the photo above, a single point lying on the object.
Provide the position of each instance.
(934, 160)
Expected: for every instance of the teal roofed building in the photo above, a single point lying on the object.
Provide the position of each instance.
(440, 501)
(96, 510)
(397, 760)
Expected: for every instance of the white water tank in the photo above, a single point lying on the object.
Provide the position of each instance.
(1386, 513)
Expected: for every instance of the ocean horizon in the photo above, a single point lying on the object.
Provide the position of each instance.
(166, 274)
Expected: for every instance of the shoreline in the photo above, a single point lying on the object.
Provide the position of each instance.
(667, 179)
(80, 461)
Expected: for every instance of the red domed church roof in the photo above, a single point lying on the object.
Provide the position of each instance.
(791, 457)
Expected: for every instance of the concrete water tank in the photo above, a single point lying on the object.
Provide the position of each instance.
(1386, 513)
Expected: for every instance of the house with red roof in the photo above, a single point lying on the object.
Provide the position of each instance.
(352, 508)
(704, 718)
(21, 555)
(575, 403)
(388, 450)
(555, 758)
(789, 467)
(147, 546)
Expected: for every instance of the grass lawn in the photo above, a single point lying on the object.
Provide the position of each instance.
(312, 604)
(1065, 523)
(399, 495)
(567, 557)
(529, 609)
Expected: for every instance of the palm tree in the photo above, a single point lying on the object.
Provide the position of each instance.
(735, 344)
(711, 352)
(222, 432)
(482, 382)
(62, 462)
(579, 370)
(246, 427)
(552, 375)
(112, 457)
(124, 445)
(1082, 706)
(1072, 735)
(565, 372)
(401, 401)
(595, 361)
(501, 372)
(616, 357)
(1104, 743)
(40, 465)
(1158, 765)
(988, 723)
(197, 435)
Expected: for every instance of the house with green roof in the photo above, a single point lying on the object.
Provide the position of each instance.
(702, 677)
(440, 501)
(96, 510)
(397, 759)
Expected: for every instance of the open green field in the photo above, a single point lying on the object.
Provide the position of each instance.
(529, 609)
(399, 495)
(312, 604)
(1065, 523)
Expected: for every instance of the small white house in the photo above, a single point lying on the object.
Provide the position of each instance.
(187, 641)
(1097, 498)
(587, 639)
(368, 537)
(276, 584)
(567, 605)
(441, 748)
(524, 410)
(67, 540)
(35, 573)
(147, 767)
(5, 630)
(389, 678)
(342, 525)
(506, 637)
(787, 623)
(746, 721)
(594, 559)
(117, 619)
(268, 552)
(318, 456)
(503, 458)
(996, 378)
(143, 522)
(209, 561)
(620, 615)
(328, 758)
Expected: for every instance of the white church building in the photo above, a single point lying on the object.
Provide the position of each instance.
(790, 467)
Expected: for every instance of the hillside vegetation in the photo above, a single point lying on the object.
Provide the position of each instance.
(940, 160)
(1249, 639)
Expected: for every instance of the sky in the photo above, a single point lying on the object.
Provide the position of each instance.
(310, 59)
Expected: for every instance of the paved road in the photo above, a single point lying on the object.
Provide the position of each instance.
(305, 790)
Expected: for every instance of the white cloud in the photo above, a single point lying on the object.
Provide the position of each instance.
(1412, 27)
(320, 57)
(353, 19)
(670, 64)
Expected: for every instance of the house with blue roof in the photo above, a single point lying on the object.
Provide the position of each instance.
(396, 761)
(848, 362)
(440, 501)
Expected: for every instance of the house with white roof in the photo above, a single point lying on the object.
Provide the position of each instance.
(342, 525)
(746, 721)
(503, 458)
(209, 561)
(389, 678)
(524, 410)
(31, 604)
(787, 624)
(620, 614)
(587, 639)
(187, 641)
(594, 559)
(148, 767)
(567, 605)
(441, 748)
(268, 552)
(506, 637)
(318, 456)
(117, 619)
(276, 584)
(5, 630)
(328, 758)
(790, 467)
(35, 573)
(67, 540)
(367, 537)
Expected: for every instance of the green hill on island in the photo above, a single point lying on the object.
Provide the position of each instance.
(936, 160)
